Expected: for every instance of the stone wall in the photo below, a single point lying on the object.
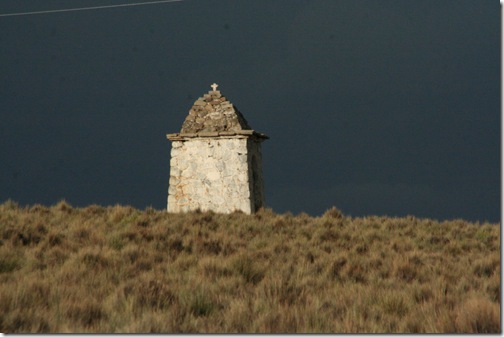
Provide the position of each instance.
(215, 173)
(215, 160)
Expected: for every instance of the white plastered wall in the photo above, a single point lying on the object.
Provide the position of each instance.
(211, 174)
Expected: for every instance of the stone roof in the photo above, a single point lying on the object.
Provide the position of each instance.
(214, 116)
(214, 113)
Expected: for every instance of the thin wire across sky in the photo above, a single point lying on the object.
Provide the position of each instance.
(88, 8)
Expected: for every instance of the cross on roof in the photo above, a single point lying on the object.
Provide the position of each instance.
(214, 86)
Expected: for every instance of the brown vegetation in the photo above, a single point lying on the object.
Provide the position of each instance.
(118, 269)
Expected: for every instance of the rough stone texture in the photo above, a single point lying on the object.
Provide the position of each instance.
(215, 160)
(212, 113)
(215, 174)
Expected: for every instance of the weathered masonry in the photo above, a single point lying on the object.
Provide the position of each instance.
(215, 160)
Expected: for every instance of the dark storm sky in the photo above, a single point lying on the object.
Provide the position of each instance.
(386, 107)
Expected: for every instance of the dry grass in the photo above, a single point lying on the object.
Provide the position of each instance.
(118, 269)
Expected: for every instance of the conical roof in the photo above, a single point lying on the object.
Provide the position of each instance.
(214, 113)
(214, 116)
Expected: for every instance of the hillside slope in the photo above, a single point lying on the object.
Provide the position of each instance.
(119, 269)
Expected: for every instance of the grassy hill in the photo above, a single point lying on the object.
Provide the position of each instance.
(119, 269)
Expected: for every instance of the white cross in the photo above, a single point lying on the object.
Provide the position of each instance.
(214, 86)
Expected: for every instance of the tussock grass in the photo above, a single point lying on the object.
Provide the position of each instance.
(119, 269)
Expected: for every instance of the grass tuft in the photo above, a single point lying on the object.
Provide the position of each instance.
(248, 269)
(478, 315)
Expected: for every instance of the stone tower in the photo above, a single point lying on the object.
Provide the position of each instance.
(215, 160)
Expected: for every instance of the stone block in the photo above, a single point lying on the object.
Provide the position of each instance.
(174, 180)
(218, 200)
(227, 133)
(213, 175)
(208, 134)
